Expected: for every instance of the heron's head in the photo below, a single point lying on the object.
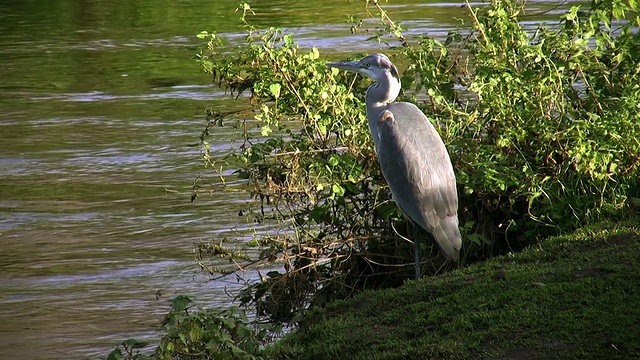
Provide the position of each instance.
(376, 66)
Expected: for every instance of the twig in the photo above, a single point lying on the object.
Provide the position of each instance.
(475, 20)
(292, 88)
(391, 24)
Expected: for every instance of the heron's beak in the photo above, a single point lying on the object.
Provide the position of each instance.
(353, 66)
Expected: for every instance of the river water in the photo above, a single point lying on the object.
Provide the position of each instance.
(100, 106)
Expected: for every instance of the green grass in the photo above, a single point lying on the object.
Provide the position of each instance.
(574, 296)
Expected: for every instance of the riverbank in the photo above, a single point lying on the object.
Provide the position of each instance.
(572, 296)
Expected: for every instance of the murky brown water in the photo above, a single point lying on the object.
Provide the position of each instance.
(99, 104)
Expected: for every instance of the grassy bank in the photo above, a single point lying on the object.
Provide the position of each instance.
(573, 296)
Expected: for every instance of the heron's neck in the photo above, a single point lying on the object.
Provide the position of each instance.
(379, 95)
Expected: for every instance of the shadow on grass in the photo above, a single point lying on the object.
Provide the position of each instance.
(573, 296)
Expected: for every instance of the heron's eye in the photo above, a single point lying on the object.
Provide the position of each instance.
(367, 65)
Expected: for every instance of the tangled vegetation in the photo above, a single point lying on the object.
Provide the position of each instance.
(569, 297)
(542, 127)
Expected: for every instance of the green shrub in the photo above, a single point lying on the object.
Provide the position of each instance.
(542, 129)
(201, 334)
(314, 168)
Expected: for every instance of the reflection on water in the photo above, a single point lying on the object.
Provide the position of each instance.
(100, 103)
(190, 92)
(89, 235)
(96, 226)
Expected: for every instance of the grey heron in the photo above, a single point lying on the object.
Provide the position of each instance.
(412, 156)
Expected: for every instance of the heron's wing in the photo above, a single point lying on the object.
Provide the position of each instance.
(416, 165)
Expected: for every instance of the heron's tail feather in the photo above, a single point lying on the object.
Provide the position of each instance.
(447, 237)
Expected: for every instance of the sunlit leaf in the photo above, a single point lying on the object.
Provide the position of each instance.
(275, 90)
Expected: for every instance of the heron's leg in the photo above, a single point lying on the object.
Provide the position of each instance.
(416, 241)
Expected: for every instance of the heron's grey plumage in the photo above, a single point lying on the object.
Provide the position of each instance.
(412, 156)
(425, 193)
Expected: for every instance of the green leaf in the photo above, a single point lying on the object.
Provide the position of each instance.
(135, 343)
(315, 54)
(275, 89)
(180, 303)
(116, 354)
(337, 190)
(334, 160)
(237, 351)
(253, 243)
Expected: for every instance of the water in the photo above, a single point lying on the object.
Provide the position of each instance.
(100, 106)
